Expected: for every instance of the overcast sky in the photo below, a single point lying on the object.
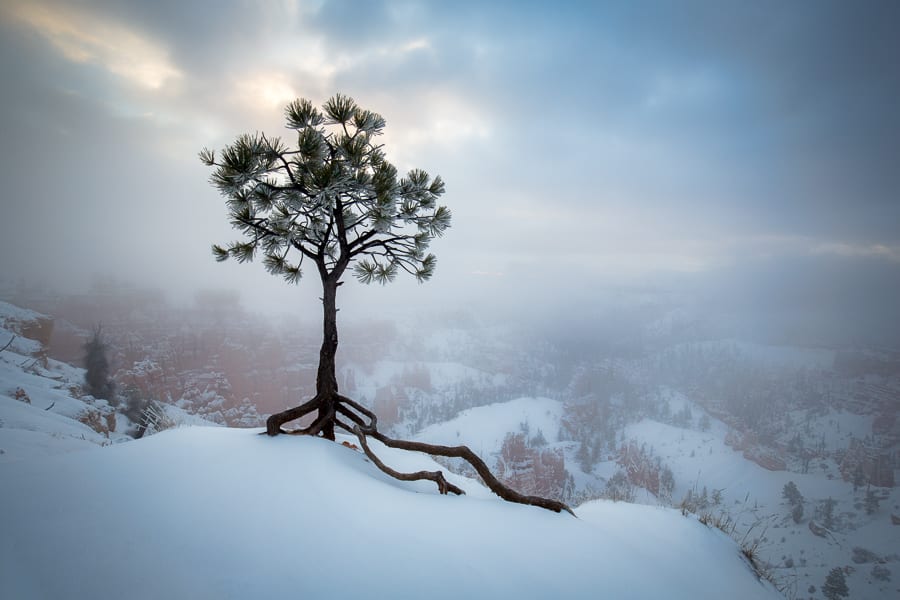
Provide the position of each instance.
(586, 146)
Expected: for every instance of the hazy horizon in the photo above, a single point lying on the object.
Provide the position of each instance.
(740, 159)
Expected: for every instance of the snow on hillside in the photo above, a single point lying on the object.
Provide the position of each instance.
(484, 428)
(226, 513)
(752, 496)
(40, 411)
(10, 313)
(38, 414)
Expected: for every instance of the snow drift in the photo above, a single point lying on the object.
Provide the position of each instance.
(226, 513)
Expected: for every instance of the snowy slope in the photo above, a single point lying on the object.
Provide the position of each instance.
(752, 496)
(484, 428)
(42, 411)
(225, 513)
(38, 413)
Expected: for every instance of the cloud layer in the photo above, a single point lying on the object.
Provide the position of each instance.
(585, 146)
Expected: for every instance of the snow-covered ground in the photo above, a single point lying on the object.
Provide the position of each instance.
(484, 428)
(38, 414)
(225, 513)
(190, 505)
(42, 412)
(752, 496)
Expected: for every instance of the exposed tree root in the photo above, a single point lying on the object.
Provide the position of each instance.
(364, 423)
(444, 486)
(274, 423)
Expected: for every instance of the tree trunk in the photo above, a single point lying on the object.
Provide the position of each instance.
(329, 404)
(326, 380)
(326, 397)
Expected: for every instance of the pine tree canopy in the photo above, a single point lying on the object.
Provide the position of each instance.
(333, 199)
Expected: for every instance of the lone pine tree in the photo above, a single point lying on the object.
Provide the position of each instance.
(331, 202)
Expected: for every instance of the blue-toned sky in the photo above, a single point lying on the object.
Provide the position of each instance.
(745, 150)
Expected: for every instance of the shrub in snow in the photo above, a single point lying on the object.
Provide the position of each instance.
(791, 493)
(21, 395)
(705, 423)
(825, 512)
(667, 483)
(96, 420)
(619, 488)
(97, 376)
(155, 419)
(135, 405)
(797, 513)
(835, 585)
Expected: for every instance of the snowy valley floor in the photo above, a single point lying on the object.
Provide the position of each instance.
(225, 513)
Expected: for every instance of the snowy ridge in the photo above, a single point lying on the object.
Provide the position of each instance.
(752, 496)
(38, 414)
(42, 410)
(483, 428)
(226, 513)
(12, 313)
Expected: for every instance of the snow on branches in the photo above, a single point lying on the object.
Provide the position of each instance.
(333, 199)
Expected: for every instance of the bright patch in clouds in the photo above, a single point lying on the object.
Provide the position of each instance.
(266, 92)
(419, 44)
(84, 38)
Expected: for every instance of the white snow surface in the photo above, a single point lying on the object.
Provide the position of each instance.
(17, 313)
(201, 512)
(484, 428)
(47, 423)
(752, 496)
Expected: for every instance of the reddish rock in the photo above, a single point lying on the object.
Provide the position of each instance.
(765, 458)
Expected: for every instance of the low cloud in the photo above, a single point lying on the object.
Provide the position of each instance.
(83, 37)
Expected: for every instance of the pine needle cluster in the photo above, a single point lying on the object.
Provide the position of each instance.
(333, 198)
